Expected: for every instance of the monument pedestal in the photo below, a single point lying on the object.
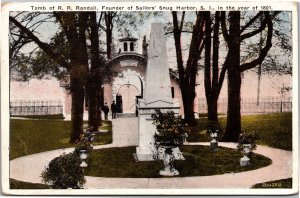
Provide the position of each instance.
(146, 149)
(157, 93)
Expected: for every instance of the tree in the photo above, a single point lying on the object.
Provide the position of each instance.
(76, 36)
(108, 18)
(188, 73)
(213, 81)
(74, 27)
(66, 49)
(234, 38)
(95, 79)
(37, 64)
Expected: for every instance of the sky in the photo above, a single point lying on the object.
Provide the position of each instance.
(50, 90)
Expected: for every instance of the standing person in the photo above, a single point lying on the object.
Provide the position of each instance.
(106, 110)
(113, 110)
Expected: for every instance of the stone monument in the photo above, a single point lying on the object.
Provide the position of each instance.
(157, 92)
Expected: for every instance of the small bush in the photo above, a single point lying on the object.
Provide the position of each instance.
(247, 138)
(64, 172)
(170, 129)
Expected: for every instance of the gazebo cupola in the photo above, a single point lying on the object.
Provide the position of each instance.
(128, 45)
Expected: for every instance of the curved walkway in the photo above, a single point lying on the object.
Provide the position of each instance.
(29, 168)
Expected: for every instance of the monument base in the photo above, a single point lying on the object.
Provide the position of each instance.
(146, 150)
(144, 155)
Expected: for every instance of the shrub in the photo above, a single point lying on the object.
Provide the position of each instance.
(247, 138)
(170, 129)
(63, 172)
(213, 126)
(85, 143)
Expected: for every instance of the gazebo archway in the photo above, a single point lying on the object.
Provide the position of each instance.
(127, 87)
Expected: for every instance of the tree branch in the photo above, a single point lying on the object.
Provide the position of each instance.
(250, 22)
(262, 27)
(215, 53)
(264, 51)
(182, 31)
(100, 19)
(207, 58)
(224, 27)
(194, 53)
(182, 20)
(45, 47)
(222, 76)
(177, 39)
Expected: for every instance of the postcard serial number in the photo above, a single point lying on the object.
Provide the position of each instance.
(272, 185)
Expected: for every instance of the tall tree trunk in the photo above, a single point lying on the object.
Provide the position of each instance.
(77, 95)
(93, 104)
(212, 109)
(207, 69)
(78, 75)
(100, 104)
(188, 103)
(94, 83)
(108, 23)
(213, 115)
(187, 75)
(234, 39)
(233, 125)
(211, 72)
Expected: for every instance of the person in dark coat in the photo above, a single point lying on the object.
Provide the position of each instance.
(113, 108)
(106, 110)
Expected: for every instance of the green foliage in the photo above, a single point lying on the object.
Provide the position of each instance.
(213, 126)
(35, 136)
(15, 184)
(37, 64)
(274, 63)
(274, 129)
(85, 143)
(64, 172)
(200, 161)
(247, 138)
(171, 129)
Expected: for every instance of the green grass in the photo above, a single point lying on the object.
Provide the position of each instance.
(35, 136)
(43, 117)
(203, 115)
(274, 130)
(283, 183)
(15, 184)
(200, 161)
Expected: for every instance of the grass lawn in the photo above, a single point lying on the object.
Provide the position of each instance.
(15, 184)
(34, 136)
(200, 161)
(274, 129)
(283, 183)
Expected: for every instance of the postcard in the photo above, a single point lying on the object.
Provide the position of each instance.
(149, 98)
